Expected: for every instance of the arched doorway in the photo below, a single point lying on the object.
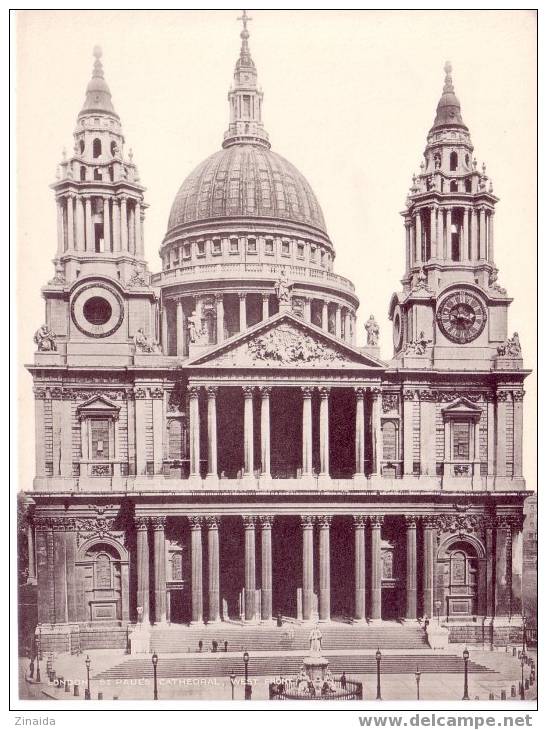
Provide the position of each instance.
(103, 577)
(459, 559)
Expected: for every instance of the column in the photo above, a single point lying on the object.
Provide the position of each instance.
(123, 223)
(212, 470)
(265, 306)
(408, 456)
(376, 567)
(490, 566)
(266, 522)
(433, 229)
(324, 567)
(197, 569)
(324, 443)
(410, 567)
(428, 459)
(138, 230)
(250, 567)
(89, 237)
(116, 234)
(306, 432)
(60, 227)
(265, 434)
(70, 221)
(325, 317)
(501, 441)
(338, 321)
(482, 233)
(491, 237)
(359, 522)
(106, 224)
(407, 245)
(160, 594)
(359, 433)
(448, 240)
(376, 431)
(307, 566)
(213, 524)
(143, 557)
(193, 394)
(248, 432)
(80, 224)
(418, 220)
(465, 236)
(502, 587)
(131, 228)
(219, 300)
(180, 328)
(164, 329)
(242, 312)
(307, 309)
(474, 238)
(429, 563)
(347, 326)
(31, 578)
(518, 396)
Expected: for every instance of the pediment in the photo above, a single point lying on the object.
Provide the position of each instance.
(285, 341)
(462, 407)
(98, 404)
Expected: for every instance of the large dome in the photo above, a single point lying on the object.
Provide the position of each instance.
(246, 181)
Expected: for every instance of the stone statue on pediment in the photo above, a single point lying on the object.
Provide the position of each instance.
(143, 342)
(418, 346)
(511, 347)
(44, 337)
(195, 330)
(283, 289)
(373, 331)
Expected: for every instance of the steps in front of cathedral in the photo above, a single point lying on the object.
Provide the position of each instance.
(222, 665)
(289, 637)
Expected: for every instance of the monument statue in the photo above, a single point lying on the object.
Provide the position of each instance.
(44, 337)
(194, 330)
(511, 347)
(143, 342)
(315, 639)
(283, 289)
(373, 331)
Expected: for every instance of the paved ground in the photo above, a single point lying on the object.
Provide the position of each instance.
(505, 672)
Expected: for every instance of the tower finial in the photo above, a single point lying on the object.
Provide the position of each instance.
(448, 86)
(244, 19)
(98, 72)
(245, 54)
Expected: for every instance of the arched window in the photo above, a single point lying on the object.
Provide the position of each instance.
(458, 568)
(453, 186)
(468, 186)
(176, 567)
(103, 571)
(97, 174)
(97, 148)
(113, 148)
(82, 147)
(175, 439)
(467, 160)
(82, 173)
(453, 161)
(389, 441)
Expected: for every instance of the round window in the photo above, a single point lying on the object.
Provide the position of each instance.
(97, 310)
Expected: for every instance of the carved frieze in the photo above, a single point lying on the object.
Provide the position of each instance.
(285, 345)
(390, 402)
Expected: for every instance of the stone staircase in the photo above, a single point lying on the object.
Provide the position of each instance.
(289, 637)
(222, 665)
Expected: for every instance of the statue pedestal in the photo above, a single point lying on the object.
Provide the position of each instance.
(316, 666)
(139, 639)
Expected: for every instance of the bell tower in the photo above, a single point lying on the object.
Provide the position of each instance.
(451, 312)
(99, 197)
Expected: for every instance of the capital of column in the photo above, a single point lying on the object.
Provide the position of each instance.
(410, 521)
(212, 391)
(242, 296)
(376, 392)
(306, 392)
(196, 522)
(307, 521)
(265, 391)
(123, 198)
(359, 521)
(376, 521)
(158, 522)
(359, 393)
(248, 391)
(249, 522)
(213, 522)
(266, 521)
(408, 394)
(219, 297)
(193, 391)
(324, 521)
(430, 522)
(141, 523)
(324, 392)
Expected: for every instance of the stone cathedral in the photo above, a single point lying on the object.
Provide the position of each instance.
(216, 442)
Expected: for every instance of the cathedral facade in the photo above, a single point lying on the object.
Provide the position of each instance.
(213, 441)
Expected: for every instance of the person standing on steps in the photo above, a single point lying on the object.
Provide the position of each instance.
(225, 647)
(200, 645)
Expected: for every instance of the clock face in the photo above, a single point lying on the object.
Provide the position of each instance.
(461, 317)
(97, 310)
(397, 329)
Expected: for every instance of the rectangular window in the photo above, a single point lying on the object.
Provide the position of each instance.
(300, 251)
(285, 248)
(251, 245)
(201, 248)
(217, 248)
(234, 245)
(247, 106)
(269, 246)
(186, 251)
(312, 253)
(100, 439)
(460, 441)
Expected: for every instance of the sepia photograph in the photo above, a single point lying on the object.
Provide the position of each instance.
(276, 357)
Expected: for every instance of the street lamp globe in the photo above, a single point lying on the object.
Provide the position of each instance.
(465, 654)
(154, 659)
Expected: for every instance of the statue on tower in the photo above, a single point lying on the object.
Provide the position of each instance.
(283, 290)
(511, 347)
(44, 337)
(373, 331)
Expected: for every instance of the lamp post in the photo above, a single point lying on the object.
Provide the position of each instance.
(88, 688)
(155, 665)
(248, 688)
(465, 670)
(438, 605)
(524, 620)
(38, 650)
(233, 681)
(378, 688)
(522, 662)
(417, 674)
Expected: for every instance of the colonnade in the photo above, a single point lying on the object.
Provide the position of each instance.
(367, 603)
(361, 419)
(428, 234)
(122, 218)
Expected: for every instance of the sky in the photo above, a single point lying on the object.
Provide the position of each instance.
(349, 97)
